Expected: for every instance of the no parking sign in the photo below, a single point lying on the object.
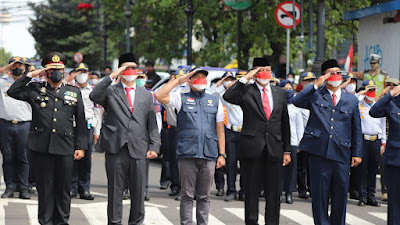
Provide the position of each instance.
(284, 14)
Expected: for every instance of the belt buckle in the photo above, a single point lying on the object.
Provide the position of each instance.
(14, 122)
(373, 138)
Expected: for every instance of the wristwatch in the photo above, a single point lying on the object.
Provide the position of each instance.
(223, 155)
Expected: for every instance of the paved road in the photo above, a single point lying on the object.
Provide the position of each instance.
(163, 210)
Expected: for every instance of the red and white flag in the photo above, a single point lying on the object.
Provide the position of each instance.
(348, 66)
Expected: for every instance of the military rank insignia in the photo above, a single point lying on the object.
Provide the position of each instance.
(43, 91)
(70, 97)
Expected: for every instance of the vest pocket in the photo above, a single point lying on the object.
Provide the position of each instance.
(187, 145)
(211, 145)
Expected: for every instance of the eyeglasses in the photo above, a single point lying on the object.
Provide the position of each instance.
(335, 73)
(373, 63)
(131, 67)
(391, 85)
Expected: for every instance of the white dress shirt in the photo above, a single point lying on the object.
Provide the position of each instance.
(11, 108)
(338, 93)
(268, 89)
(132, 92)
(296, 125)
(370, 125)
(87, 103)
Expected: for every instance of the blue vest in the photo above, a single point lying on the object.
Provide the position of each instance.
(196, 126)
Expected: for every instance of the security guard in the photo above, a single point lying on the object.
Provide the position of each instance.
(374, 132)
(303, 174)
(15, 120)
(83, 167)
(57, 136)
(389, 106)
(375, 73)
(232, 132)
(333, 140)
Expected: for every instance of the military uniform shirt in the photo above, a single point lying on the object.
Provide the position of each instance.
(10, 108)
(87, 103)
(370, 125)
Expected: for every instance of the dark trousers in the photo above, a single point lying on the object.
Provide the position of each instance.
(122, 167)
(219, 178)
(393, 187)
(369, 168)
(253, 170)
(165, 178)
(173, 164)
(329, 180)
(382, 172)
(232, 148)
(13, 139)
(53, 183)
(303, 175)
(83, 168)
(289, 172)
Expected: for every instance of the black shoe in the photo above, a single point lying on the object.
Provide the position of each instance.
(9, 193)
(241, 196)
(164, 186)
(230, 197)
(361, 202)
(146, 197)
(289, 199)
(178, 198)
(86, 195)
(303, 195)
(262, 193)
(73, 194)
(220, 192)
(24, 194)
(373, 202)
(354, 195)
(174, 192)
(31, 191)
(127, 194)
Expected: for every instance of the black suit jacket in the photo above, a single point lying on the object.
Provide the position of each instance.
(258, 132)
(53, 114)
(139, 130)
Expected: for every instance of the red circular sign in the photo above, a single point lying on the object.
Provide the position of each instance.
(284, 14)
(78, 57)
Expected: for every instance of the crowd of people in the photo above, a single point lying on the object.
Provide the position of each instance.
(323, 137)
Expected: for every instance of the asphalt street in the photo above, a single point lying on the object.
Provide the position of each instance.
(164, 210)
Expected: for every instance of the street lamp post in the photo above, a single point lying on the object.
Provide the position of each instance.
(128, 14)
(189, 13)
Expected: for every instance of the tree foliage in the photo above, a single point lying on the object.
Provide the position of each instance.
(4, 56)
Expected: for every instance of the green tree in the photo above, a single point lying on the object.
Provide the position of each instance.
(4, 57)
(58, 26)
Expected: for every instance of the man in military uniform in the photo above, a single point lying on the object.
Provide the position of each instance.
(15, 120)
(57, 136)
(375, 73)
(82, 168)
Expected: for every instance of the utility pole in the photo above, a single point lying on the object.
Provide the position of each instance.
(128, 14)
(189, 13)
(239, 44)
(320, 58)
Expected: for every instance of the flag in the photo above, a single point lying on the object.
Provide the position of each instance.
(348, 66)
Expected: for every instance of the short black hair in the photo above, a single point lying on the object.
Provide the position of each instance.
(95, 73)
(149, 63)
(109, 67)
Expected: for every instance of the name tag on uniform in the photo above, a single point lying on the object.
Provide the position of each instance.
(190, 101)
(210, 103)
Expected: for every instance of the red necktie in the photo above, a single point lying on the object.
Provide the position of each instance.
(128, 96)
(334, 99)
(267, 108)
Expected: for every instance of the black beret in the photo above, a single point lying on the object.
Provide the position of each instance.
(127, 57)
(330, 63)
(260, 62)
(54, 60)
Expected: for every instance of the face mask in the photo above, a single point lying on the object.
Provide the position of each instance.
(200, 84)
(81, 78)
(289, 95)
(140, 82)
(371, 99)
(335, 83)
(290, 79)
(17, 72)
(227, 83)
(370, 95)
(129, 75)
(350, 88)
(263, 81)
(107, 73)
(56, 76)
(307, 85)
(95, 81)
(264, 77)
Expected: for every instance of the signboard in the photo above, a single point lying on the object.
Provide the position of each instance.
(239, 4)
(78, 57)
(284, 14)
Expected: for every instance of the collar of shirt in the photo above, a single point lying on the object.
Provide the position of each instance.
(9, 79)
(268, 88)
(366, 104)
(126, 86)
(338, 94)
(86, 87)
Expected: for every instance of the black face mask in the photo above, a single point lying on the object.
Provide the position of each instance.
(17, 72)
(56, 76)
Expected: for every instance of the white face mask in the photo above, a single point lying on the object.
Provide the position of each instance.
(227, 83)
(263, 81)
(129, 78)
(371, 99)
(200, 87)
(335, 83)
(291, 79)
(81, 78)
(95, 81)
(350, 88)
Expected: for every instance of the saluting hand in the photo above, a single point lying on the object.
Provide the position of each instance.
(395, 91)
(79, 154)
(36, 72)
(185, 78)
(321, 80)
(344, 84)
(5, 68)
(250, 75)
(151, 155)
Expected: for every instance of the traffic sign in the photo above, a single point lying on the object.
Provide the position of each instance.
(239, 4)
(78, 57)
(284, 14)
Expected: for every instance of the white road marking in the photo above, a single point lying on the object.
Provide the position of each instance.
(32, 214)
(211, 219)
(382, 216)
(153, 216)
(2, 215)
(297, 216)
(353, 220)
(239, 212)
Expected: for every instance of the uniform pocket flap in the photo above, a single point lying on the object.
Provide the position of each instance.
(211, 109)
(111, 127)
(249, 132)
(211, 135)
(321, 103)
(190, 108)
(345, 143)
(313, 132)
(278, 137)
(346, 110)
(69, 132)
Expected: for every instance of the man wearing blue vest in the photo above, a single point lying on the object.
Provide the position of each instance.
(200, 141)
(333, 141)
(389, 106)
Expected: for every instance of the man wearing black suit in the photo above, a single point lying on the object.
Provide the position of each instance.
(129, 135)
(265, 140)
